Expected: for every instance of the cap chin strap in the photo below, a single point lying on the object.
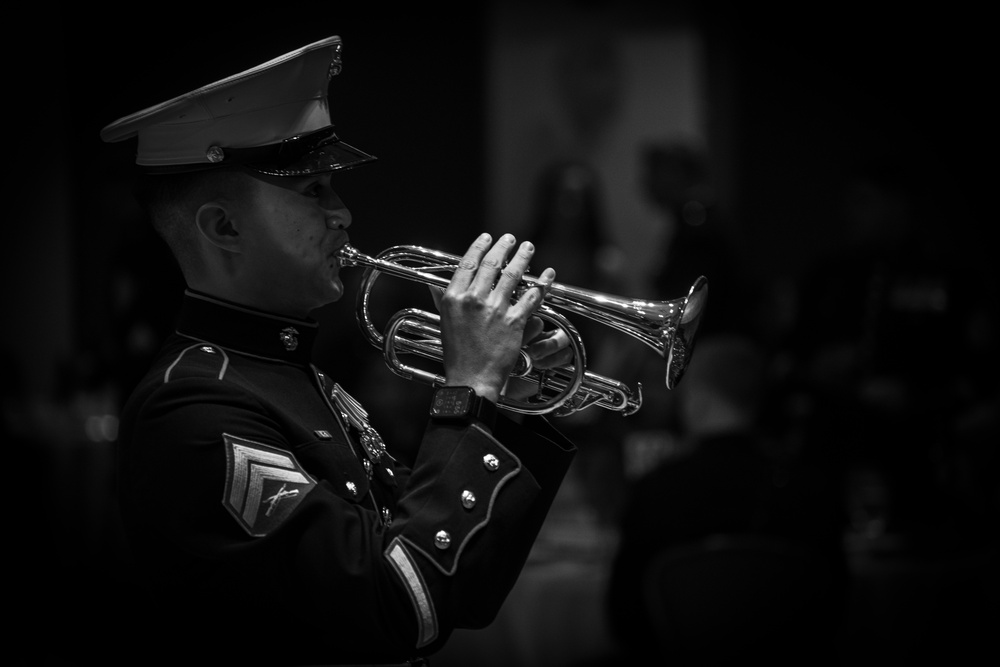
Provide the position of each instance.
(289, 157)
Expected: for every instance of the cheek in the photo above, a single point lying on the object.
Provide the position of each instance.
(308, 243)
(295, 239)
(293, 236)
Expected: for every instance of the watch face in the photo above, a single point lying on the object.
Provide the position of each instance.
(451, 401)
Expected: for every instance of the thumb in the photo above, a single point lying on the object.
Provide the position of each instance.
(436, 293)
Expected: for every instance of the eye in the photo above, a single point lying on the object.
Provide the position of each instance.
(313, 189)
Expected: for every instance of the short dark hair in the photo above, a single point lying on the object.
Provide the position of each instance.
(170, 201)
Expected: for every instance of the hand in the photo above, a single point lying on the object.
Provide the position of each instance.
(546, 349)
(482, 329)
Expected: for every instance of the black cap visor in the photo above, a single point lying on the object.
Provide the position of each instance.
(311, 153)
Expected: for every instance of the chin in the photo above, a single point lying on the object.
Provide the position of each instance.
(335, 291)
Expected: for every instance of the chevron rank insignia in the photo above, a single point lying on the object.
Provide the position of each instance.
(263, 484)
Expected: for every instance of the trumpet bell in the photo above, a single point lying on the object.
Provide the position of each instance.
(668, 327)
(680, 344)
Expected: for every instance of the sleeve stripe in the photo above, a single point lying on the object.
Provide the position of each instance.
(422, 604)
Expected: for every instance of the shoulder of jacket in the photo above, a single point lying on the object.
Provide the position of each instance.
(198, 360)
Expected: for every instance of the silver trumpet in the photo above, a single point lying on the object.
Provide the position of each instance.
(668, 327)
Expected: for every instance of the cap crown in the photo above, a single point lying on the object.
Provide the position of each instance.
(263, 106)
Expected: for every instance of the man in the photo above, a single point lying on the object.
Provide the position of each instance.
(265, 509)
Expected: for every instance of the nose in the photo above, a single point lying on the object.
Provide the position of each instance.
(337, 214)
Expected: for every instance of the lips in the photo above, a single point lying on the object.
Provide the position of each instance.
(340, 243)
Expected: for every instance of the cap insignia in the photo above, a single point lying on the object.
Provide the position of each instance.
(335, 64)
(289, 338)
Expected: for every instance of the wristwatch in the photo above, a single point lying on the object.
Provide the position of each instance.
(462, 405)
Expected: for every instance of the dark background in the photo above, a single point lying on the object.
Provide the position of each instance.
(797, 100)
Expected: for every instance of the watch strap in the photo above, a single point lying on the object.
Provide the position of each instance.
(485, 411)
(478, 409)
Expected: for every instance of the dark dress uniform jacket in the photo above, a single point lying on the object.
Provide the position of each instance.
(268, 532)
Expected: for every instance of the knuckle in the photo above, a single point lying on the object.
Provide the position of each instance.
(469, 302)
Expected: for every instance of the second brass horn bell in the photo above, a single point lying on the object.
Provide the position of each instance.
(668, 327)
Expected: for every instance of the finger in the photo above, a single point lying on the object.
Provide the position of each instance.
(468, 266)
(492, 264)
(514, 271)
(532, 329)
(563, 357)
(436, 294)
(532, 298)
(551, 350)
(547, 344)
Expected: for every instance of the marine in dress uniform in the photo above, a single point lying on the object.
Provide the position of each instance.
(272, 522)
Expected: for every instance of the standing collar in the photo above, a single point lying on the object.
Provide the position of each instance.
(247, 330)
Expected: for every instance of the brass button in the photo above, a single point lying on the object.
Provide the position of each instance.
(491, 462)
(442, 540)
(468, 499)
(215, 154)
(353, 488)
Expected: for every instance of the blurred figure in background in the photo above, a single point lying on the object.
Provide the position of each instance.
(731, 481)
(892, 380)
(569, 229)
(677, 181)
(568, 226)
(892, 344)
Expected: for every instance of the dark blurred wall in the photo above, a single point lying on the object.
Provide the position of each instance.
(806, 97)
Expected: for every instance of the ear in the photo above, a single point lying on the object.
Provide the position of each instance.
(216, 225)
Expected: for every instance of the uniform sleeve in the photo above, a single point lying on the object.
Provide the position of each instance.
(469, 515)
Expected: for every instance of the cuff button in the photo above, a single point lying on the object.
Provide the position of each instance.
(442, 540)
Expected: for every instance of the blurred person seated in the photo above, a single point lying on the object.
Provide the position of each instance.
(730, 487)
(888, 387)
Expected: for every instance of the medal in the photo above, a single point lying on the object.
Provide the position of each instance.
(355, 415)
